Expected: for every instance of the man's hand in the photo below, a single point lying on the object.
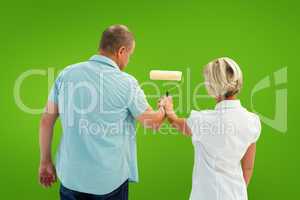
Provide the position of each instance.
(47, 174)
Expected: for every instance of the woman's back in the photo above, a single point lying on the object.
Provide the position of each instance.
(221, 137)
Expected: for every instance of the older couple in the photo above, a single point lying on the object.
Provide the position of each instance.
(99, 104)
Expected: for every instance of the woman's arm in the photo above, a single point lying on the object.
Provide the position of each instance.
(176, 122)
(248, 163)
(180, 124)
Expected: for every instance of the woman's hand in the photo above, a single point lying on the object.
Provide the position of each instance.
(166, 102)
(178, 123)
(169, 107)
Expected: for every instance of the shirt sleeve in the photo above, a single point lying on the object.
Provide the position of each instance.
(137, 103)
(194, 121)
(204, 128)
(257, 129)
(54, 92)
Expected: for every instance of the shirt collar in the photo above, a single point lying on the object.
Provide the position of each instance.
(225, 104)
(104, 60)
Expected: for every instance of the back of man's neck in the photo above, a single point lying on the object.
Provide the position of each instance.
(108, 55)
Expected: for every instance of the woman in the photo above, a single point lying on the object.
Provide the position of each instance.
(224, 138)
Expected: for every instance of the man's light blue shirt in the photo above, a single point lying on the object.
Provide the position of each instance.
(98, 105)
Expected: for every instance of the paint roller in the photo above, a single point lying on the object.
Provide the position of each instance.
(165, 75)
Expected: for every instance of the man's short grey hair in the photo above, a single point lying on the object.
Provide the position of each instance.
(223, 77)
(114, 37)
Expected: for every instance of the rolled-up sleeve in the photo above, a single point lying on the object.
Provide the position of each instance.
(194, 121)
(204, 128)
(137, 102)
(54, 92)
(257, 129)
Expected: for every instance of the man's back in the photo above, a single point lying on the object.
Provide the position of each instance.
(97, 104)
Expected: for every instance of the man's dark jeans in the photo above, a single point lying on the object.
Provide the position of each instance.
(120, 193)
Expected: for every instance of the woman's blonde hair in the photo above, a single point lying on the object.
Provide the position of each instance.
(223, 77)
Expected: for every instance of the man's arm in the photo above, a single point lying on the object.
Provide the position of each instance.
(152, 119)
(248, 162)
(47, 173)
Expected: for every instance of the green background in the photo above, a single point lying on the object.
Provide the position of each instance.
(262, 36)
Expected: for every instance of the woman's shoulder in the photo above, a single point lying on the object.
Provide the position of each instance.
(197, 117)
(252, 116)
(202, 113)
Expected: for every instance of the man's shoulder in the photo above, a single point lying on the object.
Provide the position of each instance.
(129, 76)
(74, 66)
(71, 68)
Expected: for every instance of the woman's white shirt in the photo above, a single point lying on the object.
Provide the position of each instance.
(221, 137)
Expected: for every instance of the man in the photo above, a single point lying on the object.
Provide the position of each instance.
(98, 104)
